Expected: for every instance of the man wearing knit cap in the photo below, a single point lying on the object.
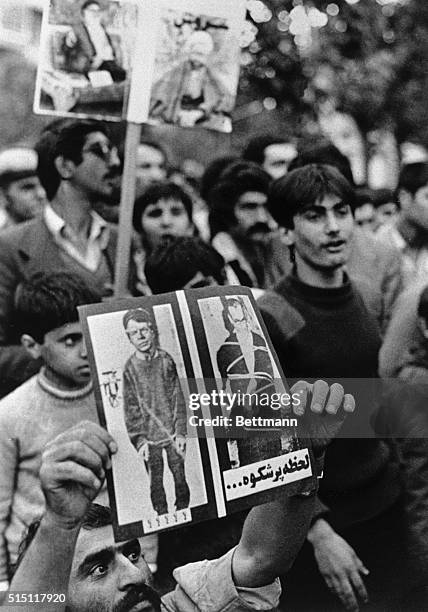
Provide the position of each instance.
(21, 191)
(155, 411)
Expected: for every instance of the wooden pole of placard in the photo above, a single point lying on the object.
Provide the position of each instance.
(133, 134)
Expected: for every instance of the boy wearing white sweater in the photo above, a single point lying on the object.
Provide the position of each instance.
(58, 397)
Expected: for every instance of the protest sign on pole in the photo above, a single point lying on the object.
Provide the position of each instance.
(121, 271)
(162, 62)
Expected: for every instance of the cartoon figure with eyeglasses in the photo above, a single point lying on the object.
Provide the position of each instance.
(155, 410)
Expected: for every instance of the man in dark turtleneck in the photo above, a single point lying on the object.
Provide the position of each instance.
(359, 494)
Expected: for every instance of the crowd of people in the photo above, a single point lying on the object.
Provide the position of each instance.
(340, 273)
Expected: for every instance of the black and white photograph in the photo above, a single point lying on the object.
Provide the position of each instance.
(196, 67)
(158, 475)
(86, 59)
(214, 305)
(244, 368)
(176, 463)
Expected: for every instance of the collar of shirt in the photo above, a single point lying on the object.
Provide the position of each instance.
(63, 235)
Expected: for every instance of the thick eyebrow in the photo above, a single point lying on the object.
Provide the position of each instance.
(321, 209)
(105, 555)
(73, 336)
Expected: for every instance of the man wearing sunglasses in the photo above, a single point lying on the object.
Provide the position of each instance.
(77, 166)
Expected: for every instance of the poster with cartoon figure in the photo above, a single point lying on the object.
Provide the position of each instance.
(189, 386)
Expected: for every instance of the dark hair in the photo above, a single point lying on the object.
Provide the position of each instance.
(323, 152)
(413, 177)
(376, 197)
(47, 301)
(174, 262)
(158, 191)
(383, 196)
(88, 3)
(363, 195)
(141, 315)
(228, 301)
(97, 516)
(423, 304)
(255, 149)
(301, 188)
(236, 179)
(64, 138)
(213, 172)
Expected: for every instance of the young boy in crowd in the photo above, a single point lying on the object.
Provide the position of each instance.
(59, 396)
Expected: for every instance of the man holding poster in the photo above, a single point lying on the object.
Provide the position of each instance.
(155, 411)
(74, 555)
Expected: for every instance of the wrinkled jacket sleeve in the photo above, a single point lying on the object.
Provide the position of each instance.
(392, 285)
(208, 586)
(133, 414)
(402, 332)
(16, 365)
(9, 460)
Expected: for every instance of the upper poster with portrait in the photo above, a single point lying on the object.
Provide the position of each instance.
(196, 66)
(162, 62)
(190, 387)
(85, 58)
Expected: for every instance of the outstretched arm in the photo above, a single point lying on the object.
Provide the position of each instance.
(271, 538)
(274, 533)
(73, 469)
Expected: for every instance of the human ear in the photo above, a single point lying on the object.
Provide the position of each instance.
(288, 237)
(32, 347)
(65, 167)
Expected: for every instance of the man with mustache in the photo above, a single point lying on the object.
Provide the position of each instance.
(77, 167)
(74, 554)
(242, 229)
